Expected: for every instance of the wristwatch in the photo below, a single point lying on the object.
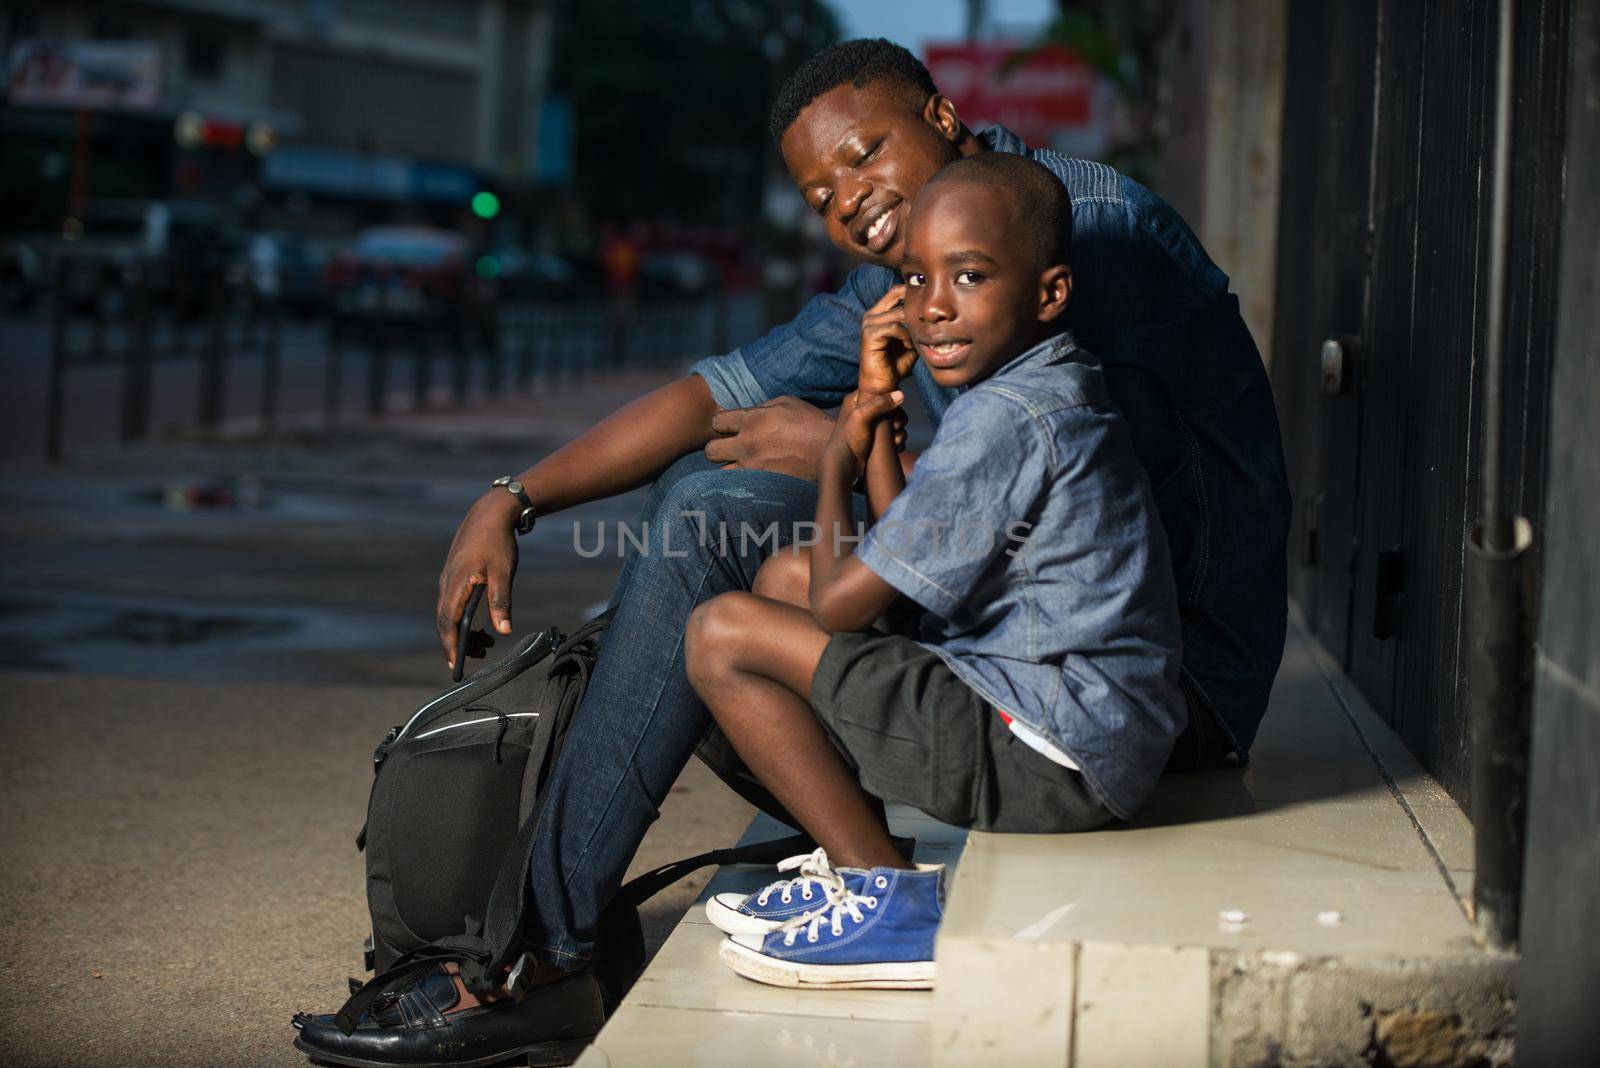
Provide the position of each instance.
(525, 520)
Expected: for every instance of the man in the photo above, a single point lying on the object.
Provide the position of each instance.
(862, 127)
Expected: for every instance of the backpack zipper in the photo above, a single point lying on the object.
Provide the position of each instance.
(475, 722)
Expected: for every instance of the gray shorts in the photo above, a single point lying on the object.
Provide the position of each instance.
(918, 735)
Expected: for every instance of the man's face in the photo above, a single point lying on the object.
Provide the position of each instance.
(860, 156)
(974, 297)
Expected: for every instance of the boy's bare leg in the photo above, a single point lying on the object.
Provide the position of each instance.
(786, 576)
(751, 660)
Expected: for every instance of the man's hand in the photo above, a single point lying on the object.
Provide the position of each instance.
(483, 550)
(852, 433)
(887, 354)
(786, 435)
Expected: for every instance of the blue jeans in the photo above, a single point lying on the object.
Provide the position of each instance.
(640, 720)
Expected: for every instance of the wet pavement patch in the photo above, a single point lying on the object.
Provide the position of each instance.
(189, 638)
(154, 627)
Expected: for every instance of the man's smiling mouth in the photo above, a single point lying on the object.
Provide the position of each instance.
(878, 234)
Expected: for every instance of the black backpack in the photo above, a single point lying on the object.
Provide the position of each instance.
(454, 811)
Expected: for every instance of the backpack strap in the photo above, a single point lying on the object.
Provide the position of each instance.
(642, 888)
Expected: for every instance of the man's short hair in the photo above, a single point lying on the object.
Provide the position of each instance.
(1042, 209)
(859, 63)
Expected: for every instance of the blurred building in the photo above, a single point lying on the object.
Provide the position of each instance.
(345, 109)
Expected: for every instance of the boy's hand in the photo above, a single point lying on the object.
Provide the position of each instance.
(887, 354)
(860, 413)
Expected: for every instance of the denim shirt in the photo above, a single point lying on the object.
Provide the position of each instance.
(1028, 531)
(1185, 375)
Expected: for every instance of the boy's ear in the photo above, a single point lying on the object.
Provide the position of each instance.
(940, 113)
(1055, 292)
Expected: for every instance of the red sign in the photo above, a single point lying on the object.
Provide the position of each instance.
(1051, 90)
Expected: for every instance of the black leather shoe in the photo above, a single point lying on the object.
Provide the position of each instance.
(551, 1025)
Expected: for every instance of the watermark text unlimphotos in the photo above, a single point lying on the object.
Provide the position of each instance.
(969, 538)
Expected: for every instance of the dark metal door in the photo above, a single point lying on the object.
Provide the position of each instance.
(1324, 227)
(1388, 130)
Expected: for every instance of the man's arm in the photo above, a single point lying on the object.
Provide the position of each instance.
(624, 450)
(811, 358)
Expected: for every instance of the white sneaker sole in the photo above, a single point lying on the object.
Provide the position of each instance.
(730, 920)
(890, 975)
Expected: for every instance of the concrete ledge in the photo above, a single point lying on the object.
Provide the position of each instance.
(1304, 910)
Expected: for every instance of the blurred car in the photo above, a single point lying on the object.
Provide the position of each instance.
(409, 274)
(676, 273)
(527, 274)
(183, 243)
(289, 269)
(21, 277)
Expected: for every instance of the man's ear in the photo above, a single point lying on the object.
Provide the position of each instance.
(1055, 292)
(940, 113)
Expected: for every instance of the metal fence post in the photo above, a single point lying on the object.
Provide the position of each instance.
(58, 363)
(524, 337)
(496, 369)
(136, 363)
(421, 383)
(463, 369)
(377, 377)
(270, 369)
(331, 382)
(211, 358)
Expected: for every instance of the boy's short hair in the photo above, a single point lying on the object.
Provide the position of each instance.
(858, 62)
(1040, 201)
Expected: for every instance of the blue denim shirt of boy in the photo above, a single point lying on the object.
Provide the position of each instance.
(1185, 375)
(1028, 531)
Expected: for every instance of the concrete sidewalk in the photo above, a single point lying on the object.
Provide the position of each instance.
(181, 874)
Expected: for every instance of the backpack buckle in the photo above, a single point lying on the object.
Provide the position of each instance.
(380, 754)
(520, 980)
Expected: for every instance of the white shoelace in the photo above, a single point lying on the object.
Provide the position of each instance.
(813, 867)
(841, 902)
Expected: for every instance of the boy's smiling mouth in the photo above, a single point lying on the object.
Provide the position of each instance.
(943, 351)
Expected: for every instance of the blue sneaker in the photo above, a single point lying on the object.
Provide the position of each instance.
(777, 903)
(877, 934)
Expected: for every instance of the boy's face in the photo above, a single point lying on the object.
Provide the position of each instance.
(860, 156)
(975, 298)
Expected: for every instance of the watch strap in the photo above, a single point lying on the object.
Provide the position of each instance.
(529, 513)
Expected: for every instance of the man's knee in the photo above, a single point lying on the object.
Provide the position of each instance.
(785, 576)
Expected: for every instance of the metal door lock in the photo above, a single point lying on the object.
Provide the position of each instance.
(1339, 365)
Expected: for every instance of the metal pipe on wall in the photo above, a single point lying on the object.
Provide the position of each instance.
(1499, 585)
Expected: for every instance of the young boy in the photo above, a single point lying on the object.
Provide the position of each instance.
(1041, 693)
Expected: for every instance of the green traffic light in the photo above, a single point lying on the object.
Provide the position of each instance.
(485, 205)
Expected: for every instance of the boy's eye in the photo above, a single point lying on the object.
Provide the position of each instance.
(968, 278)
(868, 154)
(822, 204)
(913, 279)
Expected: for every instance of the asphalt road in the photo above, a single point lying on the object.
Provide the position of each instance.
(189, 698)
